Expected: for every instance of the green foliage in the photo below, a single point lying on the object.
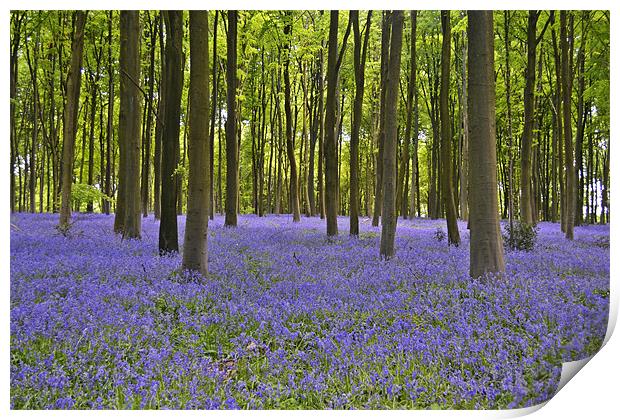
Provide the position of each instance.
(88, 193)
(521, 237)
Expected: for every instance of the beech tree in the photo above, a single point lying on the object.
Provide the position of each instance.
(359, 63)
(485, 245)
(129, 124)
(168, 232)
(195, 253)
(388, 212)
(232, 172)
(74, 78)
(568, 126)
(446, 134)
(294, 183)
(330, 144)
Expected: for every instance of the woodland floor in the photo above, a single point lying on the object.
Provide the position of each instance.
(290, 319)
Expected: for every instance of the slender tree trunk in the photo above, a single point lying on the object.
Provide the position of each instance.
(402, 184)
(32, 153)
(130, 121)
(605, 218)
(331, 138)
(290, 151)
(486, 250)
(463, 196)
(159, 124)
(181, 159)
(559, 131)
(321, 136)
(168, 233)
(568, 130)
(582, 114)
(16, 21)
(385, 56)
(195, 253)
(91, 139)
(415, 173)
(359, 58)
(70, 115)
(214, 107)
(232, 172)
(146, 160)
(509, 116)
(446, 134)
(526, 143)
(110, 127)
(388, 211)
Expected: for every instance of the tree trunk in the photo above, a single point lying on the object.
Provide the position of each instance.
(330, 143)
(214, 107)
(232, 172)
(70, 116)
(294, 183)
(525, 203)
(146, 159)
(558, 129)
(415, 174)
(195, 253)
(486, 250)
(582, 114)
(463, 196)
(568, 130)
(509, 124)
(110, 127)
(446, 134)
(159, 124)
(32, 153)
(321, 135)
(402, 183)
(385, 56)
(388, 212)
(359, 58)
(173, 85)
(130, 120)
(16, 21)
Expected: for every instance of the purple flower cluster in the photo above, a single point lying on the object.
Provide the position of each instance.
(291, 319)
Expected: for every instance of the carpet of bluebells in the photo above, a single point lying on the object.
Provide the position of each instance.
(291, 319)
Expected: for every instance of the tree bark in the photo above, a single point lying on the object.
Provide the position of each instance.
(232, 172)
(509, 124)
(173, 85)
(582, 113)
(463, 193)
(159, 126)
(446, 134)
(568, 130)
(130, 120)
(195, 252)
(146, 160)
(110, 123)
(385, 56)
(214, 107)
(330, 143)
(16, 22)
(388, 211)
(321, 135)
(404, 163)
(525, 203)
(486, 251)
(70, 116)
(294, 182)
(359, 59)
